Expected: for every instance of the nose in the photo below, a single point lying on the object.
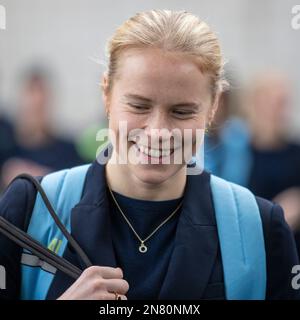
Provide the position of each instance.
(158, 128)
(157, 121)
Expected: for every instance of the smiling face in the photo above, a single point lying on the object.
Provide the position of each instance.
(155, 90)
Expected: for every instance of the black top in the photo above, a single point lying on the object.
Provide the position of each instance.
(144, 271)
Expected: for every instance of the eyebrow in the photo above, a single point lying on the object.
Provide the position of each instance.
(181, 104)
(137, 97)
(192, 105)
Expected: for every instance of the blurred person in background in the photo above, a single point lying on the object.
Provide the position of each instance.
(275, 172)
(7, 142)
(38, 149)
(227, 140)
(251, 147)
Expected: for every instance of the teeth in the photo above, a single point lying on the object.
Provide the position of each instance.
(155, 153)
(166, 153)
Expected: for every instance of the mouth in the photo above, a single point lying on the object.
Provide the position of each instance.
(154, 153)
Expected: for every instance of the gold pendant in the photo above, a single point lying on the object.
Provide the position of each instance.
(143, 248)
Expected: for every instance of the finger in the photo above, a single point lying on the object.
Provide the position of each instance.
(117, 285)
(104, 272)
(112, 296)
(111, 273)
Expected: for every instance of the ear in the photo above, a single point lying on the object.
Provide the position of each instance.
(213, 108)
(105, 92)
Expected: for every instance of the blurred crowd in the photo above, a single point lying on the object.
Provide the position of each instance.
(29, 144)
(248, 143)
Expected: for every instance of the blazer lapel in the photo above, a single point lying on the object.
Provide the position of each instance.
(196, 244)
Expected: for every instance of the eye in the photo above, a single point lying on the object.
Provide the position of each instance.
(139, 107)
(183, 113)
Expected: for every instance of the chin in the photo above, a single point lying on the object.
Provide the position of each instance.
(154, 174)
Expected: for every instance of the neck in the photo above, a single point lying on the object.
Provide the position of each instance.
(121, 180)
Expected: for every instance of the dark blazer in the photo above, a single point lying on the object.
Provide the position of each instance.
(195, 269)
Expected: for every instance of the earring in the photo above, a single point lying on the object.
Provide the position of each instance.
(208, 126)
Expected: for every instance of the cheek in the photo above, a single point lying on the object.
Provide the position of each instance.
(122, 125)
(198, 131)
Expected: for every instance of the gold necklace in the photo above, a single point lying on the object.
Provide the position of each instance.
(142, 247)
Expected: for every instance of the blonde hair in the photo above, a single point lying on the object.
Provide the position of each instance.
(173, 31)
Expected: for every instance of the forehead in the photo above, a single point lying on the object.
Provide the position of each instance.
(161, 74)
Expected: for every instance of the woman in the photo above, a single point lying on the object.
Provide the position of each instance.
(151, 230)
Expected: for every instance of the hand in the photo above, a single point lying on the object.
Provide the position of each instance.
(97, 283)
